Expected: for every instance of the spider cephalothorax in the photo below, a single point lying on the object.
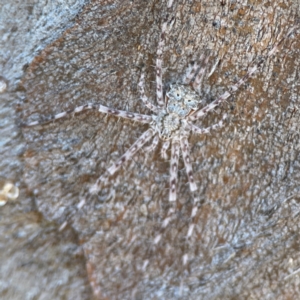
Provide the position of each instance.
(180, 101)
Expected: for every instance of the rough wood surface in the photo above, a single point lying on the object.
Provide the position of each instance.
(246, 240)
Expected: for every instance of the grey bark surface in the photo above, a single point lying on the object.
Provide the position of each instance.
(36, 260)
(246, 242)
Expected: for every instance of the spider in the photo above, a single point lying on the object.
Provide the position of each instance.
(171, 121)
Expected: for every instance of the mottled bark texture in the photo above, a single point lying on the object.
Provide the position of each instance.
(245, 243)
(36, 260)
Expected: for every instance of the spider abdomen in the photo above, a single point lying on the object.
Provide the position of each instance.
(167, 125)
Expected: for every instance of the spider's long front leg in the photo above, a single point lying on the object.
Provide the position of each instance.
(101, 108)
(202, 112)
(199, 77)
(159, 58)
(144, 138)
(143, 95)
(191, 71)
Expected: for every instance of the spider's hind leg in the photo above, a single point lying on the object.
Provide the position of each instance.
(175, 150)
(187, 162)
(164, 150)
(153, 145)
(144, 138)
(197, 130)
(193, 187)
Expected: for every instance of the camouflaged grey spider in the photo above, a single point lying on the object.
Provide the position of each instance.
(171, 122)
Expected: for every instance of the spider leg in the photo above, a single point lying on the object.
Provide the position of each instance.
(175, 149)
(199, 77)
(197, 130)
(174, 169)
(274, 49)
(191, 72)
(193, 187)
(165, 223)
(153, 145)
(104, 109)
(202, 112)
(159, 58)
(186, 158)
(143, 95)
(145, 137)
(164, 149)
(125, 114)
(187, 162)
